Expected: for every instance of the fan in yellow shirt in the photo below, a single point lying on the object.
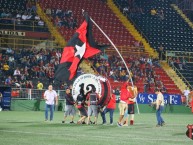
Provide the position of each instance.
(40, 85)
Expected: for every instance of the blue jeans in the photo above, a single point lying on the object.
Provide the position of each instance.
(158, 115)
(111, 115)
(51, 107)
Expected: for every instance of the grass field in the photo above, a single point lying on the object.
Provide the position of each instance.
(29, 128)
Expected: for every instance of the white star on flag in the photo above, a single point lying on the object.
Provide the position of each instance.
(80, 50)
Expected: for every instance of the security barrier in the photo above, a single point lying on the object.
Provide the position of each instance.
(31, 94)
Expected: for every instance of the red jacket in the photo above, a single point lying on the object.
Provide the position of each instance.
(125, 94)
(112, 102)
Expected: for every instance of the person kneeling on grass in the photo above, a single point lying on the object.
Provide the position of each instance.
(80, 104)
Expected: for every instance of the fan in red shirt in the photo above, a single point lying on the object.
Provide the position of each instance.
(125, 95)
(109, 108)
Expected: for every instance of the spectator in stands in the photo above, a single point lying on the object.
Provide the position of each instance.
(161, 14)
(125, 10)
(29, 84)
(18, 15)
(184, 61)
(11, 61)
(123, 76)
(17, 73)
(113, 75)
(6, 69)
(33, 6)
(153, 12)
(18, 21)
(1, 57)
(37, 18)
(40, 86)
(9, 51)
(41, 23)
(8, 81)
(48, 11)
(160, 51)
(179, 63)
(24, 16)
(145, 83)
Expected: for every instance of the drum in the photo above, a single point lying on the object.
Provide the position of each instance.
(86, 82)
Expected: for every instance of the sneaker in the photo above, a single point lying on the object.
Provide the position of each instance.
(72, 122)
(118, 124)
(83, 122)
(45, 120)
(63, 121)
(111, 124)
(104, 123)
(79, 122)
(158, 125)
(125, 125)
(163, 123)
(94, 123)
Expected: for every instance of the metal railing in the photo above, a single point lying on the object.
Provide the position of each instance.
(126, 50)
(180, 54)
(23, 43)
(27, 25)
(33, 94)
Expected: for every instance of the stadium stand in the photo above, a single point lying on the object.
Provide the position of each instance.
(109, 23)
(101, 14)
(20, 15)
(171, 31)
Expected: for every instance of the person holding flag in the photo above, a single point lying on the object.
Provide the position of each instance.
(124, 96)
(131, 108)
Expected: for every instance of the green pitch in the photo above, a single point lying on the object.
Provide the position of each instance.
(29, 128)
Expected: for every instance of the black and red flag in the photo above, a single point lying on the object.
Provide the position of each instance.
(81, 45)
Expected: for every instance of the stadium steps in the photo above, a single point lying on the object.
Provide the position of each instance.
(180, 12)
(172, 74)
(130, 27)
(53, 30)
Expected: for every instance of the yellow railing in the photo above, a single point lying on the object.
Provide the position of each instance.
(27, 25)
(127, 50)
(23, 43)
(180, 54)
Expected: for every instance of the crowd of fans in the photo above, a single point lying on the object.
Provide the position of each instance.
(24, 67)
(22, 18)
(21, 67)
(141, 70)
(62, 18)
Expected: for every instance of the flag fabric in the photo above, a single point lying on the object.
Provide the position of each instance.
(81, 45)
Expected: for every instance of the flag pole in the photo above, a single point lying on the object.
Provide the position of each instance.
(119, 55)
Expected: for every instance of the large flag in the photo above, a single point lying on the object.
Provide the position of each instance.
(81, 45)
